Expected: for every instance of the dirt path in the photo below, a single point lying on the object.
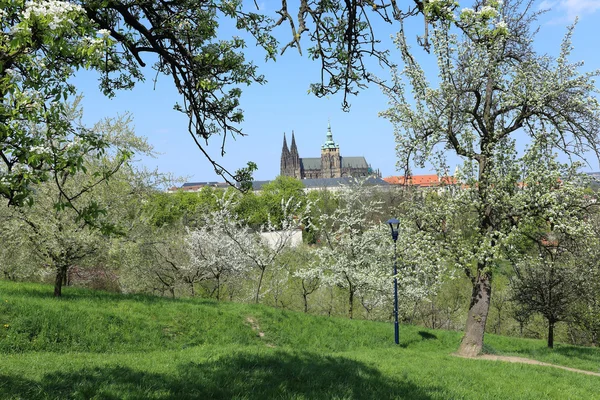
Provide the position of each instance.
(527, 361)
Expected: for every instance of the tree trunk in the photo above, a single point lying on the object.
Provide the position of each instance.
(351, 304)
(472, 342)
(305, 302)
(305, 296)
(61, 271)
(550, 335)
(521, 325)
(260, 279)
(498, 326)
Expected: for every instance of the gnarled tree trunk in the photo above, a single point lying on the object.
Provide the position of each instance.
(472, 342)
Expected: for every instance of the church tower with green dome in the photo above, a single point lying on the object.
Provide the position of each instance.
(330, 157)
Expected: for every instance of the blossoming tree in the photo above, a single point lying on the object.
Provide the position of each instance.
(356, 253)
(63, 238)
(492, 89)
(225, 247)
(42, 43)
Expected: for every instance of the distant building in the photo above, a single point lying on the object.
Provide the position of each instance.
(197, 186)
(331, 164)
(421, 180)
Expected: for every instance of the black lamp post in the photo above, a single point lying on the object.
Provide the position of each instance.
(394, 223)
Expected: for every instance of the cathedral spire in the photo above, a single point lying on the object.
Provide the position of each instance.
(293, 149)
(284, 150)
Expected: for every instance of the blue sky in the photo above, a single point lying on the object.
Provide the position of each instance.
(283, 105)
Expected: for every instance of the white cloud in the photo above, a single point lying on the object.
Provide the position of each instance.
(570, 9)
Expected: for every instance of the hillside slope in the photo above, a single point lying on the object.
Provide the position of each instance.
(109, 346)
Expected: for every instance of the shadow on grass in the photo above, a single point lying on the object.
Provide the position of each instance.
(417, 339)
(426, 335)
(584, 353)
(591, 354)
(247, 376)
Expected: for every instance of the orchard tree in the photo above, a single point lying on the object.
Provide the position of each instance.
(151, 259)
(65, 237)
(300, 260)
(547, 284)
(586, 312)
(226, 245)
(213, 254)
(552, 225)
(356, 249)
(492, 88)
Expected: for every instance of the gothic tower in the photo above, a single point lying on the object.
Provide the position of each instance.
(285, 157)
(290, 160)
(330, 157)
(295, 159)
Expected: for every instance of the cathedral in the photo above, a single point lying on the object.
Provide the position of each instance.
(330, 165)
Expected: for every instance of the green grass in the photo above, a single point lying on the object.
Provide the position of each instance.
(107, 346)
(586, 358)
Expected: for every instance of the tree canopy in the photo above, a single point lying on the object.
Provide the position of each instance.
(493, 89)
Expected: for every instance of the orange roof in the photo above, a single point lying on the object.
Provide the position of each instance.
(420, 180)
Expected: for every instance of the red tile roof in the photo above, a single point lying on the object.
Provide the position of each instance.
(420, 180)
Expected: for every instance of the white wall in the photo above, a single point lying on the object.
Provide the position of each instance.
(273, 238)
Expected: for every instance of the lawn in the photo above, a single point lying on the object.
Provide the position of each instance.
(109, 346)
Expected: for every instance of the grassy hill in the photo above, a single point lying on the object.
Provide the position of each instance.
(108, 346)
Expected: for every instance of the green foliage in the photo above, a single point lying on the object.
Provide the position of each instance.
(254, 208)
(244, 175)
(283, 188)
(278, 192)
(180, 207)
(258, 208)
(73, 217)
(324, 202)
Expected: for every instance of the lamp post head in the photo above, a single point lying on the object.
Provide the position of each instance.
(394, 224)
